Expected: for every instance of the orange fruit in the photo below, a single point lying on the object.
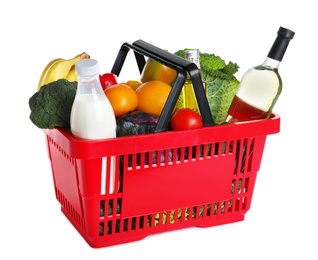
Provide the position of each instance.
(122, 98)
(152, 96)
(134, 84)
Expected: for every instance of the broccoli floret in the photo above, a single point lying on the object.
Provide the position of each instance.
(51, 105)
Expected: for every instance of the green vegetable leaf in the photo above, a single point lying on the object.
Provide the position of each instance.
(220, 94)
(211, 61)
(221, 83)
(231, 68)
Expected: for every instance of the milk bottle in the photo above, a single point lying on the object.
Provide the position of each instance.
(92, 116)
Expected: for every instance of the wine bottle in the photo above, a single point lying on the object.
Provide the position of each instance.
(187, 97)
(261, 85)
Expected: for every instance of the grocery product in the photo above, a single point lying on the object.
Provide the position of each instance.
(186, 119)
(51, 105)
(261, 85)
(59, 69)
(220, 82)
(122, 98)
(187, 97)
(154, 70)
(152, 96)
(92, 116)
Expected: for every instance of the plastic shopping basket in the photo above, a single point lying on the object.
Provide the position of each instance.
(123, 189)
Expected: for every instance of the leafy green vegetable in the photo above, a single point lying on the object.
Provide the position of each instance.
(221, 83)
(220, 93)
(211, 61)
(51, 105)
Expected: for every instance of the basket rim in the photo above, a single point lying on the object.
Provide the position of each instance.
(85, 149)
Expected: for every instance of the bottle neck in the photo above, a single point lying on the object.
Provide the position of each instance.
(271, 63)
(196, 61)
(89, 85)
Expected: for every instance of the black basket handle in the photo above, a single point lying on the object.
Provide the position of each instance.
(182, 66)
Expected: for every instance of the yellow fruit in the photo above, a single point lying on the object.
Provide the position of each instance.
(134, 84)
(59, 69)
(71, 76)
(154, 70)
(152, 96)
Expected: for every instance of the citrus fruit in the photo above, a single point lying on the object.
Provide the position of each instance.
(134, 84)
(122, 98)
(152, 96)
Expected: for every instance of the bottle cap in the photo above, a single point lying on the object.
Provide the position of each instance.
(192, 54)
(86, 67)
(286, 33)
(280, 44)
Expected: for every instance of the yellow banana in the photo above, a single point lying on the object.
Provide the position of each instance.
(46, 70)
(59, 68)
(71, 76)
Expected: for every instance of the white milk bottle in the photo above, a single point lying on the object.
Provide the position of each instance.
(92, 116)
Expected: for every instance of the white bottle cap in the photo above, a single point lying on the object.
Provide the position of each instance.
(192, 54)
(86, 67)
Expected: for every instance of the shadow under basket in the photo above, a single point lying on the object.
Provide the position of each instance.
(123, 189)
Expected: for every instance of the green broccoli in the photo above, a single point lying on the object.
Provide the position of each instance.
(51, 105)
(221, 83)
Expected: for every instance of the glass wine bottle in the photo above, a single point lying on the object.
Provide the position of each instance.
(261, 85)
(187, 97)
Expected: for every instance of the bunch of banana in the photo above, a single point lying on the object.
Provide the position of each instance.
(61, 69)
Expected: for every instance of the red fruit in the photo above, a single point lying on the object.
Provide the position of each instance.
(185, 119)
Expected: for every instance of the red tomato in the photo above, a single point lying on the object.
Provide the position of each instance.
(107, 80)
(185, 119)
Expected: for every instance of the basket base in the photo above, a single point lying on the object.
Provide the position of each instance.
(223, 221)
(119, 239)
(102, 242)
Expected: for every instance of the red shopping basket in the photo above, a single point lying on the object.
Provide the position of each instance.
(123, 189)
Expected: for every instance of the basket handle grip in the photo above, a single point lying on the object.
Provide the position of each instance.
(182, 66)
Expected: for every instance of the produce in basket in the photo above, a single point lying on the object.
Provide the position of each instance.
(107, 79)
(60, 69)
(122, 98)
(186, 119)
(221, 83)
(51, 105)
(152, 96)
(154, 70)
(134, 84)
(136, 123)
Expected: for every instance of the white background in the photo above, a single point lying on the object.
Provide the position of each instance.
(282, 222)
